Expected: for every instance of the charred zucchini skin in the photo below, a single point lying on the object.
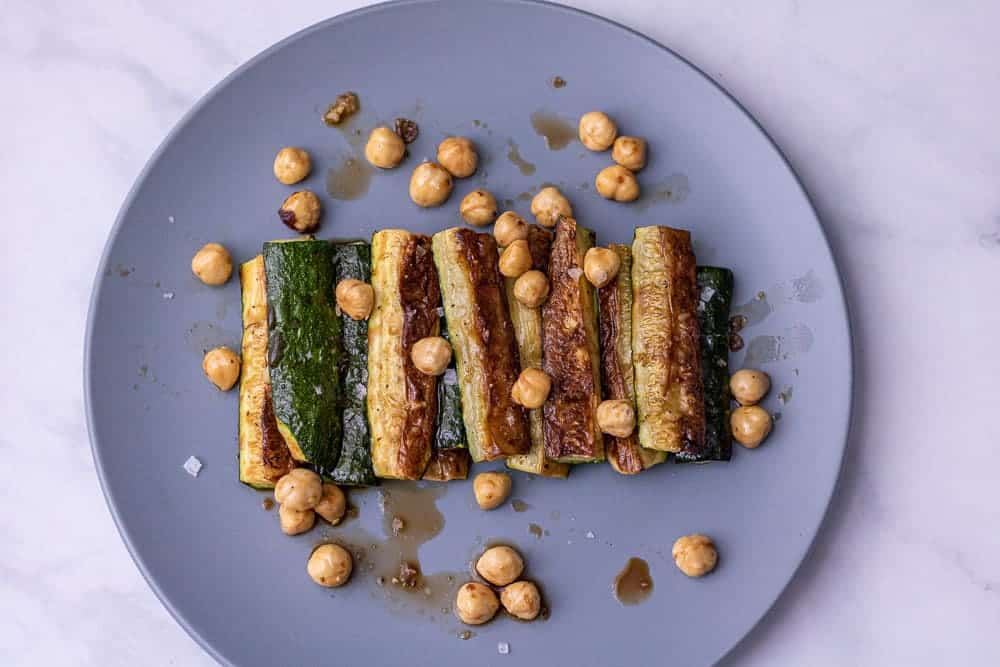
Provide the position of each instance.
(624, 454)
(402, 401)
(450, 431)
(715, 286)
(448, 464)
(570, 351)
(666, 342)
(264, 456)
(528, 333)
(304, 348)
(482, 338)
(354, 468)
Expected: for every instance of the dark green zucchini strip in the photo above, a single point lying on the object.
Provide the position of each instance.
(354, 468)
(304, 348)
(715, 286)
(450, 432)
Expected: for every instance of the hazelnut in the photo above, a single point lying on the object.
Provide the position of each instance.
(630, 152)
(601, 266)
(431, 355)
(458, 156)
(430, 185)
(292, 165)
(509, 227)
(385, 149)
(617, 183)
(479, 208)
(695, 555)
(531, 388)
(355, 298)
(295, 522)
(476, 603)
(748, 386)
(531, 288)
(750, 424)
(212, 264)
(616, 417)
(500, 565)
(330, 565)
(549, 205)
(300, 489)
(222, 367)
(301, 211)
(522, 600)
(332, 504)
(491, 489)
(597, 131)
(515, 259)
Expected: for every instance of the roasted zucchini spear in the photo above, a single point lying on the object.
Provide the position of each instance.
(528, 332)
(570, 351)
(402, 401)
(448, 464)
(665, 342)
(304, 348)
(264, 456)
(482, 339)
(715, 298)
(615, 298)
(354, 468)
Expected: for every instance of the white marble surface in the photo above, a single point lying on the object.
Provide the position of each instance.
(888, 110)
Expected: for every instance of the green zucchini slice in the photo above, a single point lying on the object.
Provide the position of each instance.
(304, 348)
(264, 456)
(570, 351)
(624, 454)
(450, 432)
(482, 338)
(665, 342)
(528, 333)
(402, 401)
(715, 286)
(354, 468)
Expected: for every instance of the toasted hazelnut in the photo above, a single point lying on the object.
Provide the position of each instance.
(549, 205)
(616, 417)
(295, 522)
(522, 600)
(431, 355)
(597, 131)
(531, 388)
(695, 555)
(332, 504)
(531, 288)
(617, 183)
(515, 259)
(479, 208)
(292, 165)
(355, 298)
(385, 149)
(630, 152)
(751, 424)
(212, 264)
(491, 489)
(458, 156)
(601, 266)
(476, 603)
(330, 565)
(301, 211)
(500, 565)
(508, 228)
(222, 367)
(301, 489)
(430, 185)
(749, 385)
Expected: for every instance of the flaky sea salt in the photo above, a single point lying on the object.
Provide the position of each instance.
(450, 376)
(575, 273)
(193, 466)
(168, 295)
(440, 310)
(503, 648)
(707, 293)
(590, 534)
(170, 219)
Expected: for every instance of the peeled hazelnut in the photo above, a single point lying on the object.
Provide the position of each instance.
(332, 504)
(355, 298)
(212, 264)
(531, 288)
(479, 207)
(431, 355)
(597, 131)
(751, 424)
(617, 183)
(301, 489)
(292, 165)
(749, 385)
(500, 565)
(430, 185)
(508, 228)
(549, 205)
(491, 489)
(695, 555)
(330, 565)
(616, 417)
(301, 211)
(476, 603)
(515, 259)
(601, 266)
(385, 149)
(630, 152)
(522, 600)
(531, 388)
(222, 367)
(458, 156)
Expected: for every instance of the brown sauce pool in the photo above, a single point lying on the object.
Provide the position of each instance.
(633, 584)
(557, 132)
(349, 179)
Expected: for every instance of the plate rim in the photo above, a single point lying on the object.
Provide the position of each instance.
(390, 5)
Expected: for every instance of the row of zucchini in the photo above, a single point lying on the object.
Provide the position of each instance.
(342, 395)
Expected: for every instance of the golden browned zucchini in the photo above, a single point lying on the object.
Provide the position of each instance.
(402, 401)
(624, 454)
(665, 348)
(528, 332)
(448, 464)
(482, 337)
(264, 456)
(570, 351)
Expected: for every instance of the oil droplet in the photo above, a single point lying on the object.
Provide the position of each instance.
(557, 132)
(267, 504)
(633, 584)
(514, 156)
(349, 180)
(535, 530)
(519, 505)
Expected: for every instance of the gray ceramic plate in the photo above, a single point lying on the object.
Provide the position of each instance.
(218, 561)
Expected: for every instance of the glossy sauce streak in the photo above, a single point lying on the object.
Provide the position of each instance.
(557, 132)
(633, 584)
(514, 155)
(349, 179)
